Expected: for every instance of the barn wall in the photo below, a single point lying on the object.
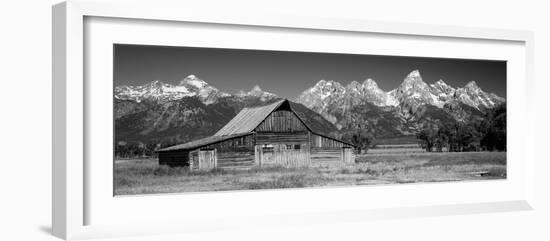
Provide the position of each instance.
(289, 138)
(281, 121)
(326, 154)
(326, 150)
(236, 159)
(234, 153)
(281, 155)
(174, 158)
(321, 141)
(237, 142)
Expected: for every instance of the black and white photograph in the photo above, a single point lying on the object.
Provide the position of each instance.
(189, 119)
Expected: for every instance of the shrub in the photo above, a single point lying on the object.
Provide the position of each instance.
(367, 171)
(345, 171)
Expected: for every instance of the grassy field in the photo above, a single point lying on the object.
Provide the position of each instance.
(145, 176)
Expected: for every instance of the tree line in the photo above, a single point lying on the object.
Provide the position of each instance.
(485, 134)
(125, 149)
(135, 150)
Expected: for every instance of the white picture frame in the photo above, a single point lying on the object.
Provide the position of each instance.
(72, 188)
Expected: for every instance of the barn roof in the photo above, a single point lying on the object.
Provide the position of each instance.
(248, 119)
(203, 142)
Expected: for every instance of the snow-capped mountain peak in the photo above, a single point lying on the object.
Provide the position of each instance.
(414, 76)
(332, 93)
(160, 92)
(414, 92)
(354, 85)
(193, 81)
(370, 84)
(326, 88)
(256, 91)
(155, 83)
(442, 91)
(472, 85)
(409, 96)
(328, 85)
(414, 80)
(414, 73)
(474, 96)
(441, 87)
(370, 92)
(441, 83)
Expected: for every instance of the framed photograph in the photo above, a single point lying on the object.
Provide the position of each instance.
(207, 122)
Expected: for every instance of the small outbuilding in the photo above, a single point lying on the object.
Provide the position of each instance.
(261, 136)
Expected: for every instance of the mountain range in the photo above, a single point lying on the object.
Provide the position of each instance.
(412, 93)
(402, 110)
(166, 114)
(158, 112)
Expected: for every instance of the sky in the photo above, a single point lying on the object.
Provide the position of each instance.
(288, 74)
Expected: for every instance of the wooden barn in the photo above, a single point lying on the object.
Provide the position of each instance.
(261, 136)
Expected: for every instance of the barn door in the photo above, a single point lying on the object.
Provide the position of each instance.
(194, 160)
(347, 155)
(288, 155)
(207, 159)
(267, 156)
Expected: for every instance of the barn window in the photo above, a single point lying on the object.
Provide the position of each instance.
(267, 148)
(297, 146)
(289, 147)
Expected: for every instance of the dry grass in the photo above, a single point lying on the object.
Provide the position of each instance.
(146, 176)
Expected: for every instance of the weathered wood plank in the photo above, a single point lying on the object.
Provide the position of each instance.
(236, 164)
(281, 121)
(326, 154)
(231, 154)
(322, 141)
(207, 159)
(223, 161)
(239, 143)
(276, 138)
(281, 156)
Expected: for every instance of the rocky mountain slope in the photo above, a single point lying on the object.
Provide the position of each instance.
(401, 111)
